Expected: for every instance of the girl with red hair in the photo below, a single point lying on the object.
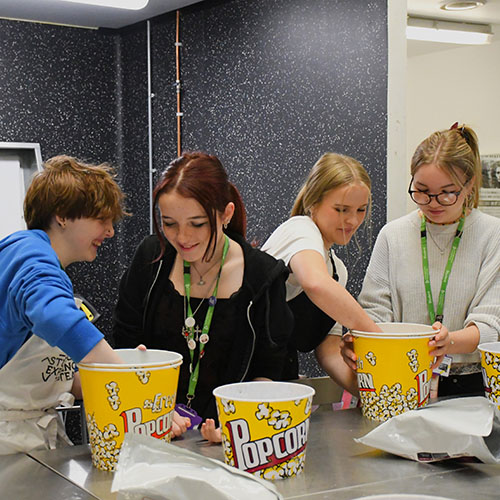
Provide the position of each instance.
(198, 288)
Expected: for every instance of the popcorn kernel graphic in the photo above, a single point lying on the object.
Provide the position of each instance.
(228, 406)
(371, 358)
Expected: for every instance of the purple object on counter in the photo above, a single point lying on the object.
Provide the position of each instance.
(184, 411)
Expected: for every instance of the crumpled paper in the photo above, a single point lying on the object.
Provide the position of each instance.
(460, 427)
(157, 470)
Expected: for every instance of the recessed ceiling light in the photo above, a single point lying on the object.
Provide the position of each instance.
(462, 5)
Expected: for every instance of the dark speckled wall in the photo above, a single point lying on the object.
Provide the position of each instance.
(268, 86)
(59, 88)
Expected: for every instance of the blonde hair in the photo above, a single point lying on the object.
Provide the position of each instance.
(331, 171)
(70, 188)
(456, 148)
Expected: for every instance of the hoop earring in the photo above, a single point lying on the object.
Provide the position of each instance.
(225, 224)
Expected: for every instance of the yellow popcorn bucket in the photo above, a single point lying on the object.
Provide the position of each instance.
(265, 426)
(137, 396)
(490, 366)
(393, 369)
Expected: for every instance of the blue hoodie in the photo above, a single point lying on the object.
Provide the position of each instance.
(36, 297)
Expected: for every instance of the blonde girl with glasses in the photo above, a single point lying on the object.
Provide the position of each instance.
(440, 264)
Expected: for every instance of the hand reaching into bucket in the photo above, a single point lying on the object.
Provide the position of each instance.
(210, 432)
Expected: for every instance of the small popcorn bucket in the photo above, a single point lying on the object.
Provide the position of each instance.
(137, 396)
(393, 369)
(265, 426)
(490, 367)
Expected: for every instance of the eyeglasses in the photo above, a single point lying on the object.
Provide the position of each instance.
(443, 198)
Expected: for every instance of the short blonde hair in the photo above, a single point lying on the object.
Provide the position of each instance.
(70, 188)
(452, 150)
(331, 171)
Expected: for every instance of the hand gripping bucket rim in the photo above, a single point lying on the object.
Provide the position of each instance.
(154, 359)
(225, 391)
(427, 331)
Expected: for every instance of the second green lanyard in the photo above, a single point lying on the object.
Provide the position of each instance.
(437, 315)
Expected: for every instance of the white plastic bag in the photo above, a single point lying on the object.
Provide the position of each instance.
(451, 428)
(150, 468)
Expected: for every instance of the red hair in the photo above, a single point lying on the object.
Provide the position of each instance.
(202, 177)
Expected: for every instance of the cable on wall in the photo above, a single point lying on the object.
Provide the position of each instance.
(179, 113)
(150, 129)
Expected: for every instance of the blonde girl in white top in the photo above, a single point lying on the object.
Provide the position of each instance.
(328, 210)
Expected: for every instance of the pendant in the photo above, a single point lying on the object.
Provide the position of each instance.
(189, 322)
(204, 338)
(197, 332)
(191, 344)
(201, 282)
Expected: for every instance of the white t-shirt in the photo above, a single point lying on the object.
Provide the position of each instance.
(295, 235)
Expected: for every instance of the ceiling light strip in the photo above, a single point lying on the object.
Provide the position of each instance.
(116, 4)
(435, 30)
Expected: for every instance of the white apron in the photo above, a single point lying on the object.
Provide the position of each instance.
(32, 384)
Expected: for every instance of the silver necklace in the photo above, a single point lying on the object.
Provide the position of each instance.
(439, 247)
(450, 240)
(189, 321)
(201, 281)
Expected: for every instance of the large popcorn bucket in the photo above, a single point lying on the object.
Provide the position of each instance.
(490, 366)
(393, 369)
(264, 426)
(137, 396)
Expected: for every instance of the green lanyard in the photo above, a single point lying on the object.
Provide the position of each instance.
(438, 315)
(189, 331)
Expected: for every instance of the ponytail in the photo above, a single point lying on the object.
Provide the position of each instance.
(238, 222)
(298, 207)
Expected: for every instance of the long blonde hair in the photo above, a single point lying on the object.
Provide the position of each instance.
(456, 148)
(331, 171)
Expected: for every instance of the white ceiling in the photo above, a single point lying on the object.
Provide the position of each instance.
(74, 14)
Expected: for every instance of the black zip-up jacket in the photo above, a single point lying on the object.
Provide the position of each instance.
(263, 334)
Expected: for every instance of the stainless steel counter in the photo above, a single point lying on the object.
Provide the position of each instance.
(336, 467)
(21, 477)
